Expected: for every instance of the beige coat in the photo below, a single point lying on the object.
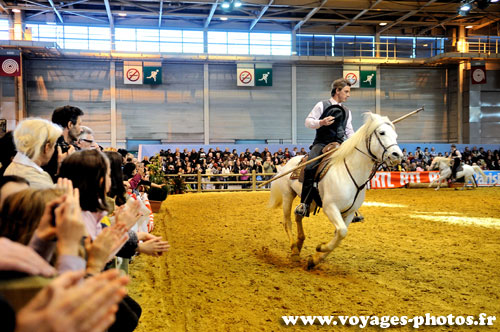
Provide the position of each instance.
(24, 167)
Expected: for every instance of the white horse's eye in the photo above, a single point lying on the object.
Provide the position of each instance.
(382, 133)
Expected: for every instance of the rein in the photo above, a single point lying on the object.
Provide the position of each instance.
(376, 165)
(361, 187)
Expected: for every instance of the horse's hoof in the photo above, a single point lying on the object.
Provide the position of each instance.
(295, 258)
(310, 263)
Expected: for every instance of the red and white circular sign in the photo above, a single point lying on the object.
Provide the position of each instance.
(133, 75)
(245, 77)
(352, 78)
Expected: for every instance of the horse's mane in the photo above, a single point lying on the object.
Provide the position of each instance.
(372, 121)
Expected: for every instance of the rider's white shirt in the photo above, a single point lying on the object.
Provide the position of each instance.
(313, 119)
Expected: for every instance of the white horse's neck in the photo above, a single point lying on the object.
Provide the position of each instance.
(360, 164)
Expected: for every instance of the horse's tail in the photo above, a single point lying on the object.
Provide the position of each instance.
(276, 196)
(480, 171)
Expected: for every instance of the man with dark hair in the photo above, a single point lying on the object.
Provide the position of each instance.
(328, 130)
(70, 119)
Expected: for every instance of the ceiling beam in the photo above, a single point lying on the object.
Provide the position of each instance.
(130, 3)
(404, 17)
(484, 22)
(262, 12)
(108, 11)
(85, 16)
(212, 12)
(161, 14)
(311, 14)
(3, 6)
(451, 18)
(359, 15)
(56, 11)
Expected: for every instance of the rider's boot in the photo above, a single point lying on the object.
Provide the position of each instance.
(306, 198)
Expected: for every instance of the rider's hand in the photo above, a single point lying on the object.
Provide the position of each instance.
(327, 121)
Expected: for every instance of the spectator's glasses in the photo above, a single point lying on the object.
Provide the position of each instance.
(87, 140)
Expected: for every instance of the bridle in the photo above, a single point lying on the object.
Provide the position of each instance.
(374, 159)
(370, 154)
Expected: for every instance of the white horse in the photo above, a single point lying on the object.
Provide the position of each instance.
(343, 188)
(443, 164)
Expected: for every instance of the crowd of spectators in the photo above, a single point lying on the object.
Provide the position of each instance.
(226, 162)
(69, 225)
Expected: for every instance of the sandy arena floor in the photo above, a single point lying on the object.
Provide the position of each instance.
(419, 251)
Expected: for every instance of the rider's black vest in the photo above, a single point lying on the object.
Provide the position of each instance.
(336, 131)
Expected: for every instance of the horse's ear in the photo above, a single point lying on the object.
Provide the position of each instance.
(368, 116)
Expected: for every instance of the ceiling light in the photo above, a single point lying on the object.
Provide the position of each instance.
(122, 14)
(237, 4)
(15, 10)
(225, 4)
(493, 1)
(468, 27)
(223, 18)
(465, 7)
(425, 45)
(382, 24)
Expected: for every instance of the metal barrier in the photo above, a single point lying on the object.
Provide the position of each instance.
(204, 182)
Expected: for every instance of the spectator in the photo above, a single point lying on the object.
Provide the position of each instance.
(86, 139)
(70, 120)
(8, 149)
(35, 141)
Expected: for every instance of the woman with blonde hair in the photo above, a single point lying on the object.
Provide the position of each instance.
(35, 141)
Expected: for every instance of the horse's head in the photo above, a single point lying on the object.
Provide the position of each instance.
(382, 141)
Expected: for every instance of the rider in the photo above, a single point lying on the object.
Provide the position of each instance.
(326, 133)
(457, 157)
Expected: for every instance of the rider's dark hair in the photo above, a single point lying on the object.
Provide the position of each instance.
(339, 84)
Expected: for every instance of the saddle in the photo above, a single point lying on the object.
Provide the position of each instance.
(322, 168)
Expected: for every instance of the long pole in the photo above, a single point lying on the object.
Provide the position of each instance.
(330, 152)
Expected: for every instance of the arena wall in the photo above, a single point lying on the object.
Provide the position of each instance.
(174, 111)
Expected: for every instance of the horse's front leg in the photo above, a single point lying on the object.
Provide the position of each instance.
(333, 214)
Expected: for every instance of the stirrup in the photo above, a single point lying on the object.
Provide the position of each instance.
(302, 210)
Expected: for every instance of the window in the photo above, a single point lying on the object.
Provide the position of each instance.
(388, 47)
(4, 30)
(171, 41)
(148, 40)
(238, 43)
(260, 43)
(76, 37)
(217, 42)
(99, 38)
(425, 47)
(192, 41)
(125, 39)
(281, 44)
(345, 46)
(51, 33)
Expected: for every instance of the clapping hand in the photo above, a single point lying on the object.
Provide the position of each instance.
(68, 305)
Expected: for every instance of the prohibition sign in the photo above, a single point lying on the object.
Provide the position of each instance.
(352, 78)
(133, 74)
(245, 77)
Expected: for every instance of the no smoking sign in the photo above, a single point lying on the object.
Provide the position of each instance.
(245, 77)
(132, 75)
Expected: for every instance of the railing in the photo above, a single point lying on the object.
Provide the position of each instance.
(392, 50)
(203, 182)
